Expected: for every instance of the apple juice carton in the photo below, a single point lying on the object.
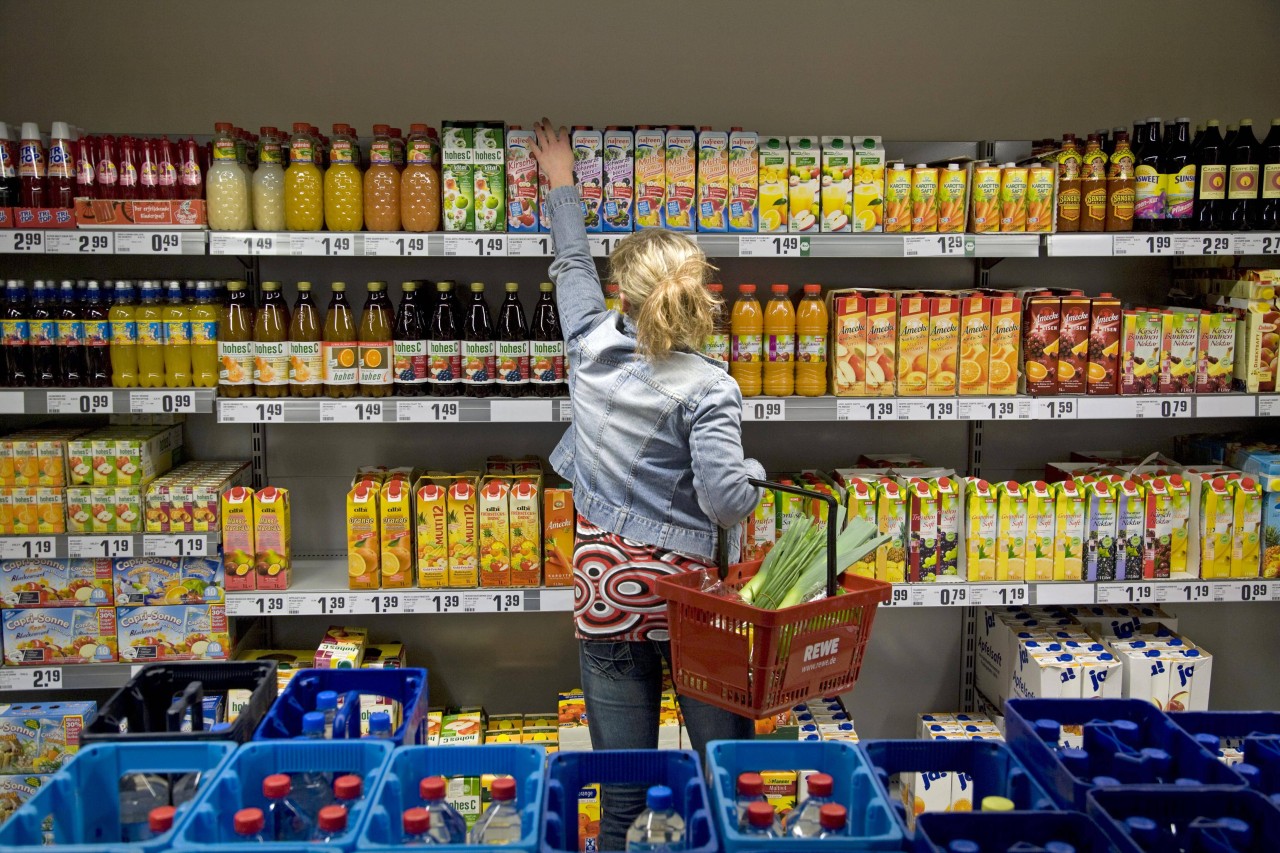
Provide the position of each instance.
(1182, 353)
(619, 180)
(1100, 532)
(922, 532)
(944, 345)
(557, 535)
(1006, 333)
(1217, 516)
(948, 491)
(493, 521)
(1130, 527)
(848, 368)
(882, 346)
(1141, 350)
(1246, 528)
(1073, 344)
(522, 182)
(1041, 530)
(744, 181)
(1216, 352)
(395, 534)
(804, 172)
(1011, 532)
(489, 156)
(913, 346)
(363, 554)
(892, 518)
(458, 178)
(897, 199)
(588, 174)
(1068, 530)
(1042, 321)
(1105, 322)
(981, 525)
(713, 180)
(272, 539)
(651, 176)
(868, 184)
(525, 514)
(682, 180)
(975, 344)
(775, 169)
(237, 537)
(1157, 539)
(860, 503)
(837, 185)
(985, 202)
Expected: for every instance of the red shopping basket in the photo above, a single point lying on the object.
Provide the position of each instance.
(756, 662)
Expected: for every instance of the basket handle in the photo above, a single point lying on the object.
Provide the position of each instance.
(810, 494)
(191, 698)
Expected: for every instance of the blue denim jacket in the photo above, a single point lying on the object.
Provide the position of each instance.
(655, 450)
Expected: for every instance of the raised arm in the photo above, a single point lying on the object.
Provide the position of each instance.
(720, 471)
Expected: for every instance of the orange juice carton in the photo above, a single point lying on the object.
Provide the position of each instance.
(651, 176)
(236, 508)
(342, 648)
(1141, 351)
(775, 168)
(1068, 532)
(922, 532)
(1006, 333)
(975, 343)
(948, 491)
(953, 198)
(1041, 326)
(860, 503)
(892, 518)
(431, 513)
(175, 632)
(913, 345)
(39, 737)
(146, 580)
(944, 345)
(924, 199)
(588, 174)
(1040, 531)
(522, 181)
(848, 369)
(713, 180)
(1011, 532)
(56, 583)
(1246, 528)
(804, 171)
(59, 635)
(1130, 526)
(557, 535)
(1257, 345)
(868, 184)
(1013, 198)
(363, 554)
(616, 213)
(489, 155)
(744, 181)
(1215, 352)
(761, 528)
(1105, 322)
(1146, 674)
(1041, 181)
(897, 199)
(682, 188)
(395, 531)
(525, 514)
(985, 204)
(1099, 532)
(273, 539)
(837, 185)
(1073, 344)
(981, 530)
(882, 345)
(458, 176)
(462, 523)
(1180, 356)
(494, 520)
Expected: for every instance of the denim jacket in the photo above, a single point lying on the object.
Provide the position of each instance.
(655, 449)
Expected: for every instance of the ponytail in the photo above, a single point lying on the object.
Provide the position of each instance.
(663, 277)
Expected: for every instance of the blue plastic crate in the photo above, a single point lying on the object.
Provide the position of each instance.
(1029, 721)
(81, 797)
(275, 848)
(988, 766)
(1002, 832)
(1179, 810)
(406, 686)
(398, 790)
(679, 770)
(871, 825)
(239, 786)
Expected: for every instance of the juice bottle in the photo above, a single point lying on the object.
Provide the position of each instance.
(343, 195)
(303, 186)
(148, 170)
(1149, 188)
(1120, 185)
(235, 344)
(1268, 218)
(271, 343)
(31, 167)
(397, 148)
(376, 342)
(60, 182)
(268, 183)
(107, 176)
(226, 190)
(746, 328)
(811, 348)
(306, 359)
(717, 345)
(1093, 186)
(341, 346)
(546, 346)
(204, 337)
(444, 348)
(44, 338)
(612, 298)
(478, 351)
(150, 316)
(512, 346)
(1242, 185)
(166, 170)
(10, 186)
(190, 172)
(410, 344)
(124, 337)
(97, 338)
(17, 335)
(420, 183)
(382, 184)
(71, 363)
(177, 339)
(780, 344)
(1178, 174)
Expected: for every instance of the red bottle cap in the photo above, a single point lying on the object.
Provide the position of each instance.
(417, 128)
(249, 821)
(348, 787)
(820, 785)
(161, 819)
(416, 821)
(812, 288)
(397, 132)
(746, 288)
(275, 786)
(432, 788)
(382, 130)
(333, 818)
(779, 288)
(503, 789)
(715, 288)
(760, 814)
(832, 816)
(222, 127)
(750, 784)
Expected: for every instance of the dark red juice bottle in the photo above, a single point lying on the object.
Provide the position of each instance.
(512, 346)
(128, 163)
(409, 347)
(166, 170)
(108, 167)
(546, 344)
(44, 338)
(478, 350)
(71, 361)
(10, 188)
(444, 347)
(86, 167)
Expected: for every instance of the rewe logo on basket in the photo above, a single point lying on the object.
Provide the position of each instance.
(826, 648)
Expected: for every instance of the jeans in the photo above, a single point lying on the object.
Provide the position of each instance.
(623, 684)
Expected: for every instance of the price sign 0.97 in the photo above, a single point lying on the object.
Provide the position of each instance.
(764, 410)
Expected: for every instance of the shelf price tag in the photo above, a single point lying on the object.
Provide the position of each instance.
(1139, 245)
(1001, 594)
(1126, 593)
(866, 410)
(239, 243)
(927, 410)
(994, 409)
(764, 410)
(1257, 244)
(176, 545)
(1171, 407)
(1204, 244)
(249, 412)
(167, 402)
(328, 245)
(937, 246)
(22, 242)
(1253, 591)
(27, 547)
(395, 246)
(149, 243)
(344, 412)
(602, 247)
(87, 547)
(79, 242)
(475, 245)
(492, 602)
(1175, 591)
(1064, 593)
(900, 597)
(420, 411)
(530, 246)
(31, 678)
(1055, 410)
(79, 403)
(767, 246)
(1269, 406)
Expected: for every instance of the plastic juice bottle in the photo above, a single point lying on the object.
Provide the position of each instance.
(812, 330)
(376, 342)
(306, 360)
(249, 826)
(331, 823)
(343, 194)
(780, 344)
(177, 339)
(235, 344)
(226, 189)
(659, 826)
(420, 183)
(1242, 183)
(612, 298)
(268, 183)
(31, 167)
(190, 172)
(10, 186)
(398, 148)
(150, 316)
(717, 345)
(271, 343)
(60, 181)
(71, 361)
(410, 344)
(166, 170)
(148, 170)
(107, 177)
(204, 337)
(478, 350)
(17, 335)
(382, 184)
(124, 337)
(512, 346)
(805, 821)
(303, 185)
(546, 346)
(97, 338)
(44, 337)
(746, 328)
(416, 823)
(444, 348)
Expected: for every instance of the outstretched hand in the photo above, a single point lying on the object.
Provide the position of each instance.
(553, 153)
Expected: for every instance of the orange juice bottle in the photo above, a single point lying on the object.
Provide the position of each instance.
(811, 348)
(343, 194)
(420, 183)
(780, 344)
(303, 185)
(381, 184)
(746, 326)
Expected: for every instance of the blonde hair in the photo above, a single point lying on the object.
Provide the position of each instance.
(663, 276)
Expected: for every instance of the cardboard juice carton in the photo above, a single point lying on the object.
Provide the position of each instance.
(944, 345)
(860, 503)
(1181, 333)
(761, 528)
(1011, 532)
(525, 513)
(975, 344)
(805, 178)
(272, 538)
(948, 491)
(931, 792)
(146, 580)
(682, 188)
(457, 178)
(922, 533)
(780, 789)
(882, 346)
(913, 345)
(236, 506)
(892, 518)
(1099, 675)
(1130, 526)
(1068, 531)
(985, 204)
(493, 520)
(868, 184)
(1006, 334)
(464, 558)
(203, 581)
(59, 635)
(775, 160)
(1246, 528)
(1157, 539)
(1100, 532)
(557, 535)
(713, 180)
(1216, 362)
(1141, 351)
(897, 199)
(1217, 517)
(1041, 323)
(1146, 676)
(1255, 361)
(981, 526)
(1105, 322)
(651, 176)
(953, 197)
(40, 737)
(1041, 181)
(1041, 529)
(1013, 198)
(56, 583)
(924, 199)
(522, 181)
(489, 156)
(837, 185)
(1073, 345)
(1179, 522)
(363, 557)
(395, 534)
(848, 367)
(619, 181)
(176, 632)
(588, 818)
(342, 647)
(431, 513)
(588, 174)
(744, 181)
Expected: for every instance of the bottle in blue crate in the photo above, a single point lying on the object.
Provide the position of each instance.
(1220, 836)
(286, 821)
(250, 826)
(327, 704)
(331, 824)
(500, 824)
(761, 822)
(160, 820)
(140, 794)
(658, 827)
(1144, 831)
(417, 828)
(348, 790)
(380, 725)
(805, 821)
(963, 845)
(750, 790)
(312, 789)
(447, 825)
(834, 819)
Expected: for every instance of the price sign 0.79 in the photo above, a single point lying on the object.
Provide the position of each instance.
(764, 410)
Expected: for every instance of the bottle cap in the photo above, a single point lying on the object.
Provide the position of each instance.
(750, 784)
(349, 786)
(416, 821)
(60, 130)
(304, 287)
(1182, 120)
(832, 816)
(477, 287)
(820, 785)
(30, 130)
(417, 128)
(760, 814)
(512, 287)
(276, 785)
(444, 286)
(381, 130)
(997, 804)
(811, 289)
(379, 722)
(161, 819)
(409, 286)
(746, 288)
(338, 286)
(301, 127)
(222, 127)
(377, 286)
(779, 288)
(1244, 122)
(396, 132)
(333, 818)
(269, 286)
(713, 287)
(547, 287)
(504, 790)
(312, 723)
(432, 788)
(963, 845)
(659, 798)
(249, 821)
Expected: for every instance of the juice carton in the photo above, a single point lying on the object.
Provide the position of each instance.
(651, 176)
(948, 492)
(525, 511)
(780, 789)
(761, 528)
(1073, 345)
(1103, 372)
(913, 346)
(146, 580)
(1217, 519)
(1257, 343)
(16, 789)
(897, 199)
(924, 199)
(465, 727)
(1179, 522)
(522, 182)
(882, 346)
(464, 558)
(363, 556)
(1246, 528)
(588, 818)
(1042, 320)
(1141, 348)
(236, 506)
(868, 184)
(1192, 672)
(922, 533)
(1044, 676)
(588, 174)
(805, 178)
(944, 345)
(682, 189)
(775, 165)
(1069, 508)
(892, 518)
(1100, 532)
(931, 791)
(273, 538)
(1099, 675)
(59, 635)
(203, 581)
(1006, 332)
(1216, 352)
(431, 512)
(860, 503)
(342, 648)
(744, 181)
(985, 206)
(953, 196)
(619, 180)
(395, 532)
(458, 178)
(489, 156)
(1041, 530)
(1013, 198)
(848, 369)
(1040, 206)
(558, 535)
(713, 180)
(544, 215)
(1011, 532)
(56, 583)
(1130, 527)
(40, 737)
(175, 632)
(1181, 333)
(981, 530)
(1157, 539)
(494, 523)
(837, 185)
(975, 344)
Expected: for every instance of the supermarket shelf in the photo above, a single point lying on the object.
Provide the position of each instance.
(393, 410)
(1174, 591)
(95, 241)
(96, 676)
(1160, 245)
(106, 401)
(110, 545)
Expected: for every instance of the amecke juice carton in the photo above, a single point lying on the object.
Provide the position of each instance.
(975, 344)
(557, 535)
(1006, 332)
(944, 344)
(913, 345)
(882, 346)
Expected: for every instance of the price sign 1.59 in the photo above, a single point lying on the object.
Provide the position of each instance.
(764, 410)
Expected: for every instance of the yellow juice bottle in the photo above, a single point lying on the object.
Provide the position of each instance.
(303, 185)
(812, 331)
(204, 338)
(343, 187)
(124, 337)
(780, 344)
(746, 328)
(150, 315)
(177, 339)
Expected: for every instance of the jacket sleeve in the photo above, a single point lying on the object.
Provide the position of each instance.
(579, 295)
(720, 470)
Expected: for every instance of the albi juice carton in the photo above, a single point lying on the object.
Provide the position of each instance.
(431, 517)
(651, 176)
(396, 527)
(493, 517)
(237, 538)
(744, 181)
(363, 554)
(463, 530)
(272, 538)
(713, 180)
(525, 529)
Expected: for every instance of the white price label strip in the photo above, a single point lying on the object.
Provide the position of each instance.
(1064, 593)
(1257, 244)
(1136, 245)
(344, 412)
(998, 594)
(249, 412)
(30, 678)
(28, 547)
(79, 242)
(1055, 410)
(424, 411)
(866, 410)
(475, 245)
(327, 245)
(177, 545)
(529, 246)
(235, 242)
(935, 246)
(930, 595)
(92, 547)
(1175, 407)
(602, 247)
(1135, 592)
(22, 242)
(927, 410)
(1269, 406)
(994, 409)
(1177, 591)
(492, 601)
(764, 410)
(395, 246)
(166, 402)
(79, 403)
(1204, 244)
(520, 411)
(773, 246)
(149, 243)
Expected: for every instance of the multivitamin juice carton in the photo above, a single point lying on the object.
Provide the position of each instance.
(713, 181)
(744, 181)
(774, 191)
(651, 176)
(682, 180)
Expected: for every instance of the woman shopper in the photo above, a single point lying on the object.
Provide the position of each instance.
(655, 458)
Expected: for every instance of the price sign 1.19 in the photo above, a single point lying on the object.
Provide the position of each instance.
(92, 547)
(764, 410)
(27, 547)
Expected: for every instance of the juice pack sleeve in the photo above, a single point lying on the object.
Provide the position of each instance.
(720, 471)
(578, 292)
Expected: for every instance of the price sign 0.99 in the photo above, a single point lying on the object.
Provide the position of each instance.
(764, 410)
(75, 403)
